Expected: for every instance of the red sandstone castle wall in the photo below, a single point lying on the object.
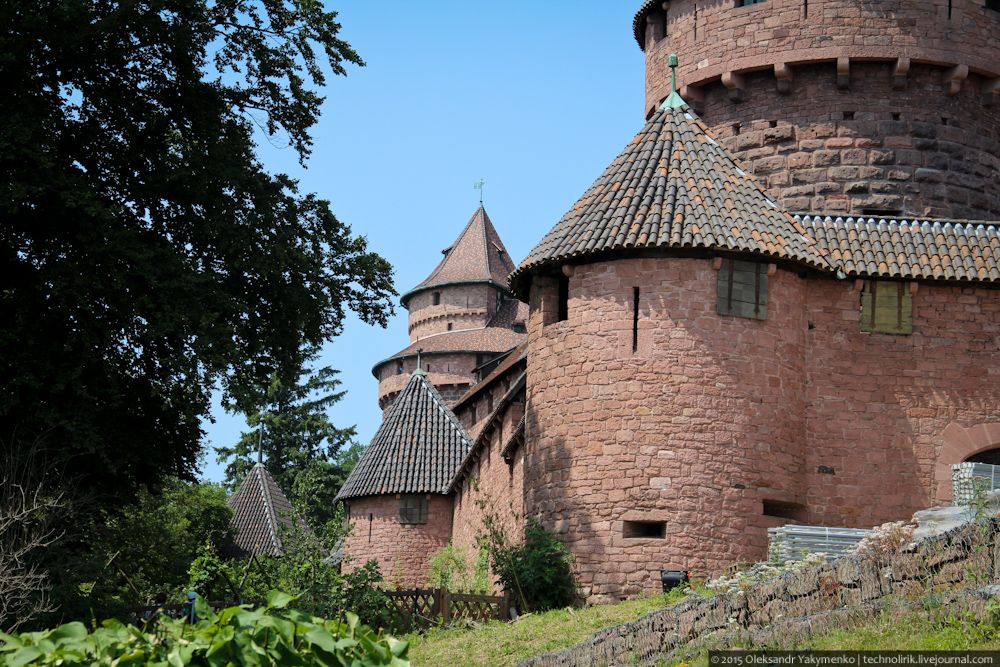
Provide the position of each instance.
(923, 87)
(713, 37)
(915, 151)
(493, 485)
(403, 551)
(451, 374)
(694, 429)
(462, 306)
(879, 405)
(715, 415)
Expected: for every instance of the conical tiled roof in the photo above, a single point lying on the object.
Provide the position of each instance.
(674, 186)
(417, 449)
(259, 509)
(477, 256)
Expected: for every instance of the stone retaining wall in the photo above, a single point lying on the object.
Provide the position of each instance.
(833, 594)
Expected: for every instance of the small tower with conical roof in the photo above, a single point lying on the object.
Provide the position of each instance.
(399, 498)
(460, 317)
(260, 511)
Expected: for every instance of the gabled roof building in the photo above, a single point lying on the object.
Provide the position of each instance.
(777, 305)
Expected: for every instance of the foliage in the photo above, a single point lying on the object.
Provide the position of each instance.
(535, 572)
(304, 570)
(135, 553)
(147, 256)
(450, 569)
(747, 576)
(235, 636)
(498, 643)
(306, 454)
(31, 502)
(885, 540)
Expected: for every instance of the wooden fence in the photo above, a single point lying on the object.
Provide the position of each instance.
(422, 607)
(415, 608)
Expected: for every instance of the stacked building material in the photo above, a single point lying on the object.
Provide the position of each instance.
(792, 542)
(966, 477)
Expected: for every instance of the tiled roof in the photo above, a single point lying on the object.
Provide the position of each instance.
(488, 339)
(482, 436)
(478, 255)
(510, 312)
(516, 356)
(914, 249)
(673, 187)
(639, 22)
(259, 509)
(417, 449)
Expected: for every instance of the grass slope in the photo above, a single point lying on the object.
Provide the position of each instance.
(498, 644)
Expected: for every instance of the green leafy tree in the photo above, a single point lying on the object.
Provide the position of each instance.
(306, 454)
(133, 554)
(146, 256)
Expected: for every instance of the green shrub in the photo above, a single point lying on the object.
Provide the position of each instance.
(304, 571)
(450, 569)
(235, 636)
(536, 572)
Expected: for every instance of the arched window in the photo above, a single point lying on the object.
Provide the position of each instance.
(991, 456)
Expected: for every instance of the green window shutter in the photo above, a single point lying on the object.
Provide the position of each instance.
(741, 289)
(886, 307)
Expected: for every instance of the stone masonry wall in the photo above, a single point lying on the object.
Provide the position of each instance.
(878, 405)
(695, 429)
(868, 148)
(403, 551)
(920, 78)
(714, 37)
(800, 603)
(494, 482)
(717, 420)
(451, 374)
(462, 306)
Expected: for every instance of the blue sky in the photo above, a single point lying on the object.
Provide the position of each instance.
(536, 98)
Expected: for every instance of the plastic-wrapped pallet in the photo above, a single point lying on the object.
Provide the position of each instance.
(965, 477)
(793, 542)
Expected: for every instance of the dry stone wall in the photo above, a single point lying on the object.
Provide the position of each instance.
(836, 594)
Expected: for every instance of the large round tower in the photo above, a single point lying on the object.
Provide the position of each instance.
(843, 107)
(460, 317)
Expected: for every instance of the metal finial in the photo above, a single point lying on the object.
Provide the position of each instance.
(478, 185)
(419, 370)
(260, 440)
(675, 101)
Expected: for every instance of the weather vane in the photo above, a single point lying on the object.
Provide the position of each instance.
(478, 185)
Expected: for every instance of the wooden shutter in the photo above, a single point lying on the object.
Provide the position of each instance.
(741, 289)
(886, 307)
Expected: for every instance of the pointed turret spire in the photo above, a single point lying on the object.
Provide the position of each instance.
(477, 256)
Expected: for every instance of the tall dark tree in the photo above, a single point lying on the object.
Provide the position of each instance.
(306, 454)
(146, 256)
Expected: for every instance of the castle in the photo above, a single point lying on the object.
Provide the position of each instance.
(778, 304)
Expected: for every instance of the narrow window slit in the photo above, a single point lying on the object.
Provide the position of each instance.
(635, 320)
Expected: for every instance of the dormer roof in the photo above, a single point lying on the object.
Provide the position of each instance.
(260, 509)
(674, 186)
(477, 256)
(417, 449)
